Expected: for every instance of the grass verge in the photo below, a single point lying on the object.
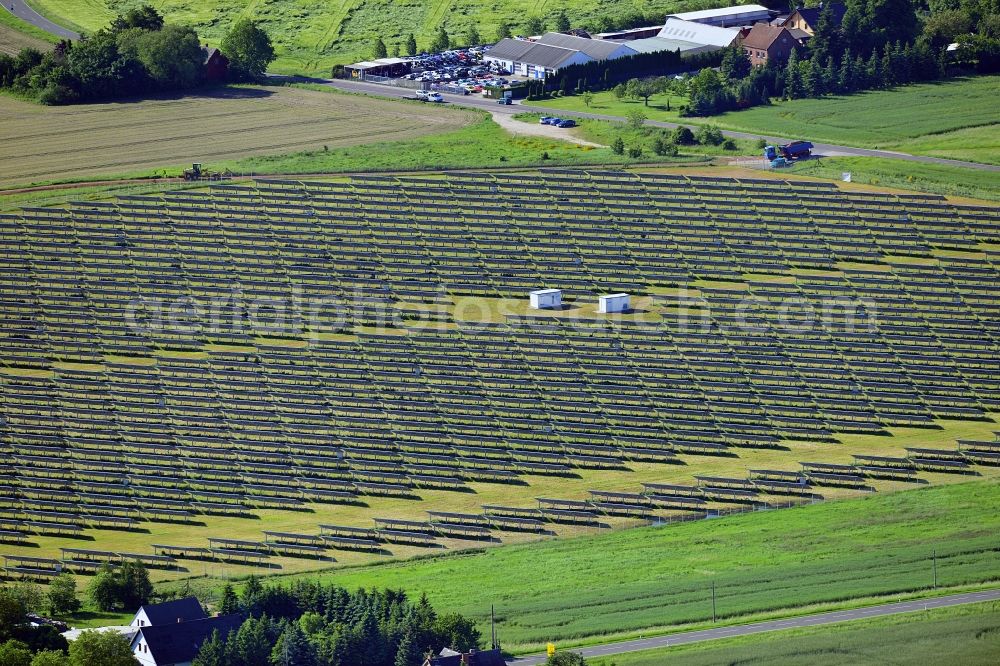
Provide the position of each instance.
(967, 635)
(905, 174)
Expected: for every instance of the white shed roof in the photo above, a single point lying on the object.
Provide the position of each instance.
(381, 62)
(699, 33)
(738, 10)
(659, 44)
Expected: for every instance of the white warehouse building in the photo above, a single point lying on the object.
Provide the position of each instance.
(738, 16)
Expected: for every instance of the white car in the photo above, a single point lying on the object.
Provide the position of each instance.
(434, 97)
(422, 95)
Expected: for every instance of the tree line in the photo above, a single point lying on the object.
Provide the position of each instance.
(312, 624)
(603, 75)
(137, 54)
(443, 41)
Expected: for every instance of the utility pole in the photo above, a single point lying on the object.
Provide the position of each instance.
(934, 565)
(493, 628)
(714, 616)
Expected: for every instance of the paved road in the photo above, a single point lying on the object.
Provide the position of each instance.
(821, 149)
(21, 10)
(686, 637)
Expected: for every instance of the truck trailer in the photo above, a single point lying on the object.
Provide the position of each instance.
(790, 151)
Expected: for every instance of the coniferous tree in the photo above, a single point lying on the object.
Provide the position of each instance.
(408, 653)
(793, 77)
(293, 648)
(825, 41)
(829, 76)
(442, 42)
(735, 63)
(251, 597)
(411, 45)
(886, 74)
(230, 602)
(562, 23)
(212, 652)
(251, 643)
(873, 72)
(862, 76)
(845, 74)
(855, 27)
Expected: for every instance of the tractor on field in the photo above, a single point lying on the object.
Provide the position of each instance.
(196, 172)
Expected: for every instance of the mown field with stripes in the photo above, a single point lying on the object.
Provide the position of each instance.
(164, 135)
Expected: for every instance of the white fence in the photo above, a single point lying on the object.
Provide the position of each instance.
(398, 83)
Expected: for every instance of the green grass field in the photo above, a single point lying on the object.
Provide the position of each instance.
(638, 581)
(480, 145)
(955, 119)
(964, 635)
(907, 175)
(605, 103)
(313, 35)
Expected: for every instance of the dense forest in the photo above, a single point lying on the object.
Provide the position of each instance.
(311, 624)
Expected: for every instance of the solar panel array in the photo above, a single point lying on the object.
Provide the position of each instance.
(143, 435)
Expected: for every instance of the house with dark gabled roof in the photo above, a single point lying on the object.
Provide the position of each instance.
(807, 18)
(178, 644)
(169, 612)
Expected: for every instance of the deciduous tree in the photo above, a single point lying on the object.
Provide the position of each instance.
(248, 49)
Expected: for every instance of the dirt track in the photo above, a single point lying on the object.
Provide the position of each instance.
(518, 128)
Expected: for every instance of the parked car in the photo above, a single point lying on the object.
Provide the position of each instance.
(549, 120)
(435, 97)
(565, 123)
(422, 95)
(506, 101)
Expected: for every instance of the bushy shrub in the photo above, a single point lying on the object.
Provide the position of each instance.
(710, 135)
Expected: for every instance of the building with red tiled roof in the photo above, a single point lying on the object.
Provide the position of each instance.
(765, 43)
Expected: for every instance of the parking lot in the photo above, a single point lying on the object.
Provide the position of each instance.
(460, 70)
